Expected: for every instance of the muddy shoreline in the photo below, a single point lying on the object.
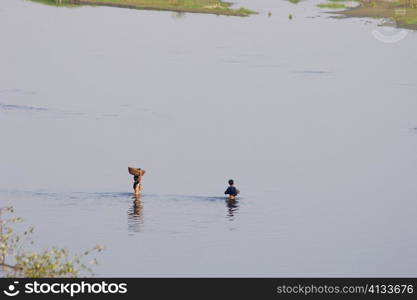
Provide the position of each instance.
(404, 17)
(221, 10)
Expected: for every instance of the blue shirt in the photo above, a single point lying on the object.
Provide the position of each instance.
(231, 190)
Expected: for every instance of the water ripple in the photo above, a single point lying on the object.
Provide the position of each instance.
(21, 107)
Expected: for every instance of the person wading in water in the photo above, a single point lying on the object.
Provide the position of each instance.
(137, 179)
(232, 191)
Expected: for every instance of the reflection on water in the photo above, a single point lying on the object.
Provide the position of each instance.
(232, 208)
(178, 15)
(135, 215)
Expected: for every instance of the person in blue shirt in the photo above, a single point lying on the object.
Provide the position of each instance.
(232, 191)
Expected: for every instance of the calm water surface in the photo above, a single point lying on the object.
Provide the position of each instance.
(314, 118)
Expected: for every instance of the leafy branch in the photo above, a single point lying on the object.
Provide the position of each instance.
(15, 261)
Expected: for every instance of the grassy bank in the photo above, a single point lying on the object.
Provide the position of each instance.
(337, 4)
(332, 5)
(403, 12)
(217, 7)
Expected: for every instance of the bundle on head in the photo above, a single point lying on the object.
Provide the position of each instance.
(136, 171)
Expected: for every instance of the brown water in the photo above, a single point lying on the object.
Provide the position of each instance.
(312, 117)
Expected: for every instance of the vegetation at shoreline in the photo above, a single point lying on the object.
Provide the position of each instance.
(331, 5)
(344, 0)
(55, 3)
(16, 261)
(217, 7)
(403, 12)
(337, 4)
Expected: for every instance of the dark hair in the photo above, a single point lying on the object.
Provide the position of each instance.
(231, 182)
(136, 177)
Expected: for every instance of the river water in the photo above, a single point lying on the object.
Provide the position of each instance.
(313, 117)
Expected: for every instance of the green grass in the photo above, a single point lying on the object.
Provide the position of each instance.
(332, 5)
(336, 4)
(55, 3)
(344, 0)
(245, 11)
(294, 1)
(195, 6)
(409, 19)
(403, 12)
